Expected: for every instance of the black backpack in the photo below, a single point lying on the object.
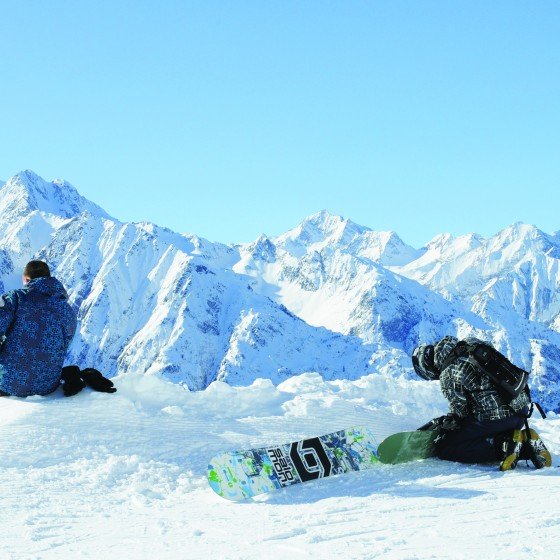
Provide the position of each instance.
(509, 380)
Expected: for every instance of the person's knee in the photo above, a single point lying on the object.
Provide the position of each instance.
(445, 453)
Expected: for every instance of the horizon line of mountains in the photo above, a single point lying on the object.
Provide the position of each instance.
(329, 295)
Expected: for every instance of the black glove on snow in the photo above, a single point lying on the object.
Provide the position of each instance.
(96, 381)
(448, 422)
(72, 382)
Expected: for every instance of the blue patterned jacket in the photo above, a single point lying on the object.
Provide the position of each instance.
(38, 325)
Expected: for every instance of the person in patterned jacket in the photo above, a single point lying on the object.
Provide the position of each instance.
(480, 427)
(37, 325)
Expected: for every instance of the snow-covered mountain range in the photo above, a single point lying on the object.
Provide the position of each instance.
(328, 296)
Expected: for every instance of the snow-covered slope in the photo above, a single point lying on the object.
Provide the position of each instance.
(516, 271)
(329, 295)
(154, 301)
(100, 476)
(511, 281)
(280, 336)
(31, 210)
(337, 274)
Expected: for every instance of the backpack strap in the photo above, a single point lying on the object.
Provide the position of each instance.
(531, 408)
(461, 350)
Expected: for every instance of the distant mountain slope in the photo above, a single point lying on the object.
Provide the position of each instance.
(329, 295)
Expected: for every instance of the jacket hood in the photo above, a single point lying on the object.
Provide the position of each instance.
(423, 362)
(47, 285)
(443, 348)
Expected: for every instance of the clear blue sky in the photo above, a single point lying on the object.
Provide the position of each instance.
(228, 119)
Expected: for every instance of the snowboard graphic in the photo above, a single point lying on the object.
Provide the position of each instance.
(407, 446)
(238, 475)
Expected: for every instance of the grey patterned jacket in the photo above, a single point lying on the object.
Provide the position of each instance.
(469, 392)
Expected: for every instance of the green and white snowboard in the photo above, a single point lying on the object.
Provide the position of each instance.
(238, 475)
(407, 446)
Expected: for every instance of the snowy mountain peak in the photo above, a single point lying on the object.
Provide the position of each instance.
(445, 245)
(26, 192)
(520, 241)
(323, 225)
(327, 295)
(521, 232)
(439, 241)
(384, 247)
(324, 221)
(262, 249)
(318, 231)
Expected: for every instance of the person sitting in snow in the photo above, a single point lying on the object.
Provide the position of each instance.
(480, 426)
(37, 325)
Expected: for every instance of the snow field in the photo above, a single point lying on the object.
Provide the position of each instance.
(124, 475)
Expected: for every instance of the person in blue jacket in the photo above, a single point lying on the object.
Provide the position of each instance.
(37, 325)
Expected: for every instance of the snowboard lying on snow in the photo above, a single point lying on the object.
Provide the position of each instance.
(238, 475)
(242, 474)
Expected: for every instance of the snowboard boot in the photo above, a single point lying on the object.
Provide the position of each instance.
(509, 448)
(534, 449)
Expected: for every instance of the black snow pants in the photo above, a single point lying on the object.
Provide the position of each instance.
(474, 441)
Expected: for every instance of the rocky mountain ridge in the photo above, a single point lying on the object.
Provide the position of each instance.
(329, 295)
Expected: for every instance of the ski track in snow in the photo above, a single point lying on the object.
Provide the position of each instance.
(110, 476)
